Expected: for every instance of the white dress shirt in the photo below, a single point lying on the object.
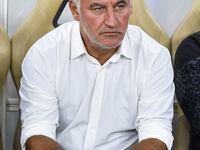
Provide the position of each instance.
(67, 95)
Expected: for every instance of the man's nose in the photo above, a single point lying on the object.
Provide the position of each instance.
(110, 18)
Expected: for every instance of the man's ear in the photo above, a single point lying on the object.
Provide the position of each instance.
(131, 9)
(74, 10)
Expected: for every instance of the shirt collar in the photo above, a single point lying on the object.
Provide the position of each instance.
(79, 49)
(77, 45)
(124, 49)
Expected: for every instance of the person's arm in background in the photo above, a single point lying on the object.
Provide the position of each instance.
(187, 81)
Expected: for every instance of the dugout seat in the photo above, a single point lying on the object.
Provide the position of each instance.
(5, 54)
(143, 18)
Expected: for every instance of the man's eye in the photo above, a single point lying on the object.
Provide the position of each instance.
(119, 6)
(98, 8)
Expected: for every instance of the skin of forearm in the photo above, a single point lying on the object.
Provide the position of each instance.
(150, 144)
(40, 142)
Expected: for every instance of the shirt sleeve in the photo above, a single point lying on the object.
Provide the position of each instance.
(155, 106)
(187, 79)
(38, 103)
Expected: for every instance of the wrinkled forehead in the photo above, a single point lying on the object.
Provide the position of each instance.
(99, 1)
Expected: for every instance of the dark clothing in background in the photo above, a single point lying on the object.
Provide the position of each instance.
(187, 84)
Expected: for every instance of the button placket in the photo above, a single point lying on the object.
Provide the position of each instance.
(95, 110)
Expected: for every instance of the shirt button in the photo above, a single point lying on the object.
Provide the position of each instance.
(96, 99)
(92, 127)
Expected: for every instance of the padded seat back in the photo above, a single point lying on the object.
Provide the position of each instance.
(5, 54)
(143, 18)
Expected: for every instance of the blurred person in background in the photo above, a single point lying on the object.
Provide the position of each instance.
(187, 84)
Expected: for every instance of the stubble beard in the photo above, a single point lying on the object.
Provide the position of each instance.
(93, 40)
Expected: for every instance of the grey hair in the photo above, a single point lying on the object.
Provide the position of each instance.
(77, 2)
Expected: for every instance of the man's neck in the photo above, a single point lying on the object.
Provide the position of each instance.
(102, 55)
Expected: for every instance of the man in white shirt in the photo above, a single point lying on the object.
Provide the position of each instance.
(97, 83)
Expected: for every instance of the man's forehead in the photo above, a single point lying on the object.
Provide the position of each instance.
(103, 1)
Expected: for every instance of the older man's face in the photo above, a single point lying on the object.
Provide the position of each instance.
(104, 22)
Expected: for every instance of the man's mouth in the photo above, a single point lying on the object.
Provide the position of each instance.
(110, 33)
